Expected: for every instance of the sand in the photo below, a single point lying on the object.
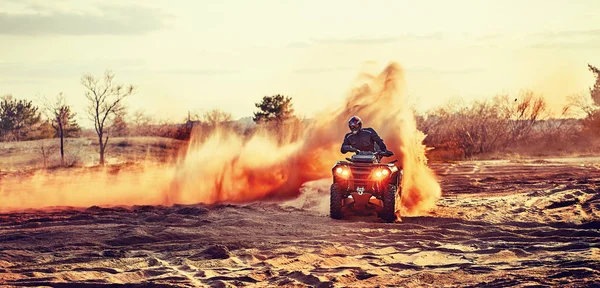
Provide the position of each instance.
(498, 224)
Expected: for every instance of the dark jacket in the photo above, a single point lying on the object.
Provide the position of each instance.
(364, 140)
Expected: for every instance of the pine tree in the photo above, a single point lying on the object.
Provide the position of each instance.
(18, 118)
(595, 91)
(274, 108)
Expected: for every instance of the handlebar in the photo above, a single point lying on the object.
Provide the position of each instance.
(377, 154)
(384, 153)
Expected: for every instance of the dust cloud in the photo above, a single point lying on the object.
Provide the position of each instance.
(224, 167)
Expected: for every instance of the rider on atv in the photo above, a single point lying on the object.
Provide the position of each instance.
(361, 139)
(363, 182)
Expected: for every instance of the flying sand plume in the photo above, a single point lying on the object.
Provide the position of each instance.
(226, 168)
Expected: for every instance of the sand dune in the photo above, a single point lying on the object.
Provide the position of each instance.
(499, 224)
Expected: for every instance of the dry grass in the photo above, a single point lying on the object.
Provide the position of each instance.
(15, 156)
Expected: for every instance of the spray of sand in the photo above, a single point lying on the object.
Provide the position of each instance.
(225, 167)
(85, 187)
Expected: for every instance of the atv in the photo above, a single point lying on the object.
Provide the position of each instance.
(363, 184)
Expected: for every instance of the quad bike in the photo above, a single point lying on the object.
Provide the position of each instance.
(363, 184)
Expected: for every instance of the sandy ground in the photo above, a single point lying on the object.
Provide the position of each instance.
(499, 224)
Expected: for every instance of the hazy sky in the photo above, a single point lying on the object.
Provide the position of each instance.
(200, 55)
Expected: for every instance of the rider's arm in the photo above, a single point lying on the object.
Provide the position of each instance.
(346, 147)
(375, 138)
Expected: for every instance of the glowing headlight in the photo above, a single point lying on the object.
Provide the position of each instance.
(381, 173)
(342, 171)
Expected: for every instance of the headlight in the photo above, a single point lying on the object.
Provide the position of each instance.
(380, 173)
(342, 171)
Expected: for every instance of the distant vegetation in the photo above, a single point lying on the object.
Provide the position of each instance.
(21, 120)
(521, 124)
(105, 99)
(277, 108)
(458, 130)
(63, 121)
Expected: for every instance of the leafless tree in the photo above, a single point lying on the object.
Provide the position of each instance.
(45, 152)
(471, 128)
(140, 118)
(582, 104)
(521, 114)
(106, 99)
(141, 124)
(558, 130)
(215, 117)
(483, 126)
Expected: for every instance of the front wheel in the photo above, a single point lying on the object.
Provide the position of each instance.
(388, 213)
(335, 205)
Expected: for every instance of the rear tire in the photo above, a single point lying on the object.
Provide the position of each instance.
(335, 203)
(388, 213)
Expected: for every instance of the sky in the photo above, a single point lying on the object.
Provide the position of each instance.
(202, 55)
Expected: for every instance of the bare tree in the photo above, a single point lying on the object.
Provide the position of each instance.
(140, 118)
(471, 128)
(105, 97)
(582, 104)
(558, 130)
(141, 123)
(215, 117)
(63, 121)
(521, 114)
(484, 126)
(45, 152)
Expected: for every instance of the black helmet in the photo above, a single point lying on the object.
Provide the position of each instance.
(355, 124)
